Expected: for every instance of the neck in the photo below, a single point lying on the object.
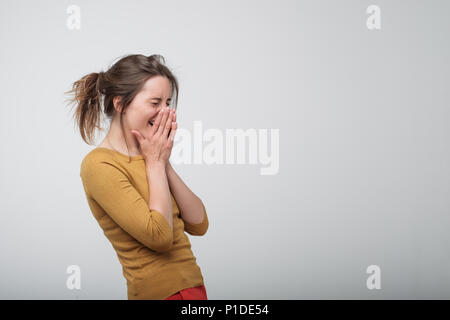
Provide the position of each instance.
(115, 138)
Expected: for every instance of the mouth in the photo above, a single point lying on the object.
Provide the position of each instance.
(151, 122)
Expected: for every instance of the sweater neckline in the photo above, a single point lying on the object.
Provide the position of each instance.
(123, 156)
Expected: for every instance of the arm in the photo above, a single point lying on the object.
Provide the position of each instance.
(112, 190)
(192, 209)
(159, 191)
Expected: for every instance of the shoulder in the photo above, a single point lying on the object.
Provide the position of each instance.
(96, 159)
(99, 170)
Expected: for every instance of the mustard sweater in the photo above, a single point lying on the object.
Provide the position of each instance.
(156, 260)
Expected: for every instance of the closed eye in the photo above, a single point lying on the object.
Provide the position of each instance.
(156, 104)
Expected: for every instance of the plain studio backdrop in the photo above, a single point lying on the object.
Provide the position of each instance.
(362, 113)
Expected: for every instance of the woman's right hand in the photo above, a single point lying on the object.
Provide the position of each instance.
(157, 145)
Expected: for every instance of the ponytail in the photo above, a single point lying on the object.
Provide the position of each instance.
(87, 96)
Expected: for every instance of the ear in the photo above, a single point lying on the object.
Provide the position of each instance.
(117, 101)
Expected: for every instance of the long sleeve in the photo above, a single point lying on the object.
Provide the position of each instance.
(112, 190)
(198, 229)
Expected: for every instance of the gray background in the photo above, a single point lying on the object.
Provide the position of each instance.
(364, 144)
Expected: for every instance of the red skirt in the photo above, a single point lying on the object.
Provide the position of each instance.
(195, 293)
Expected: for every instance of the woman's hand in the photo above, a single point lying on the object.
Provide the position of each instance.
(157, 145)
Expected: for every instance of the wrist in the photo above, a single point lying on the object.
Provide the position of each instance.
(156, 165)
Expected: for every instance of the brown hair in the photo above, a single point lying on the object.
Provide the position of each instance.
(125, 79)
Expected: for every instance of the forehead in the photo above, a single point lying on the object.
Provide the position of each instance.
(157, 87)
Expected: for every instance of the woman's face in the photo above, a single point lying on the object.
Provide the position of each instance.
(154, 95)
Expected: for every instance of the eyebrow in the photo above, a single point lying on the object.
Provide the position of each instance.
(157, 98)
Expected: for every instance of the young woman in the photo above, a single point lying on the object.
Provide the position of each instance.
(140, 202)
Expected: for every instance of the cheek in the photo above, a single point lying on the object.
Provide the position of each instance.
(151, 115)
(146, 117)
(137, 119)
